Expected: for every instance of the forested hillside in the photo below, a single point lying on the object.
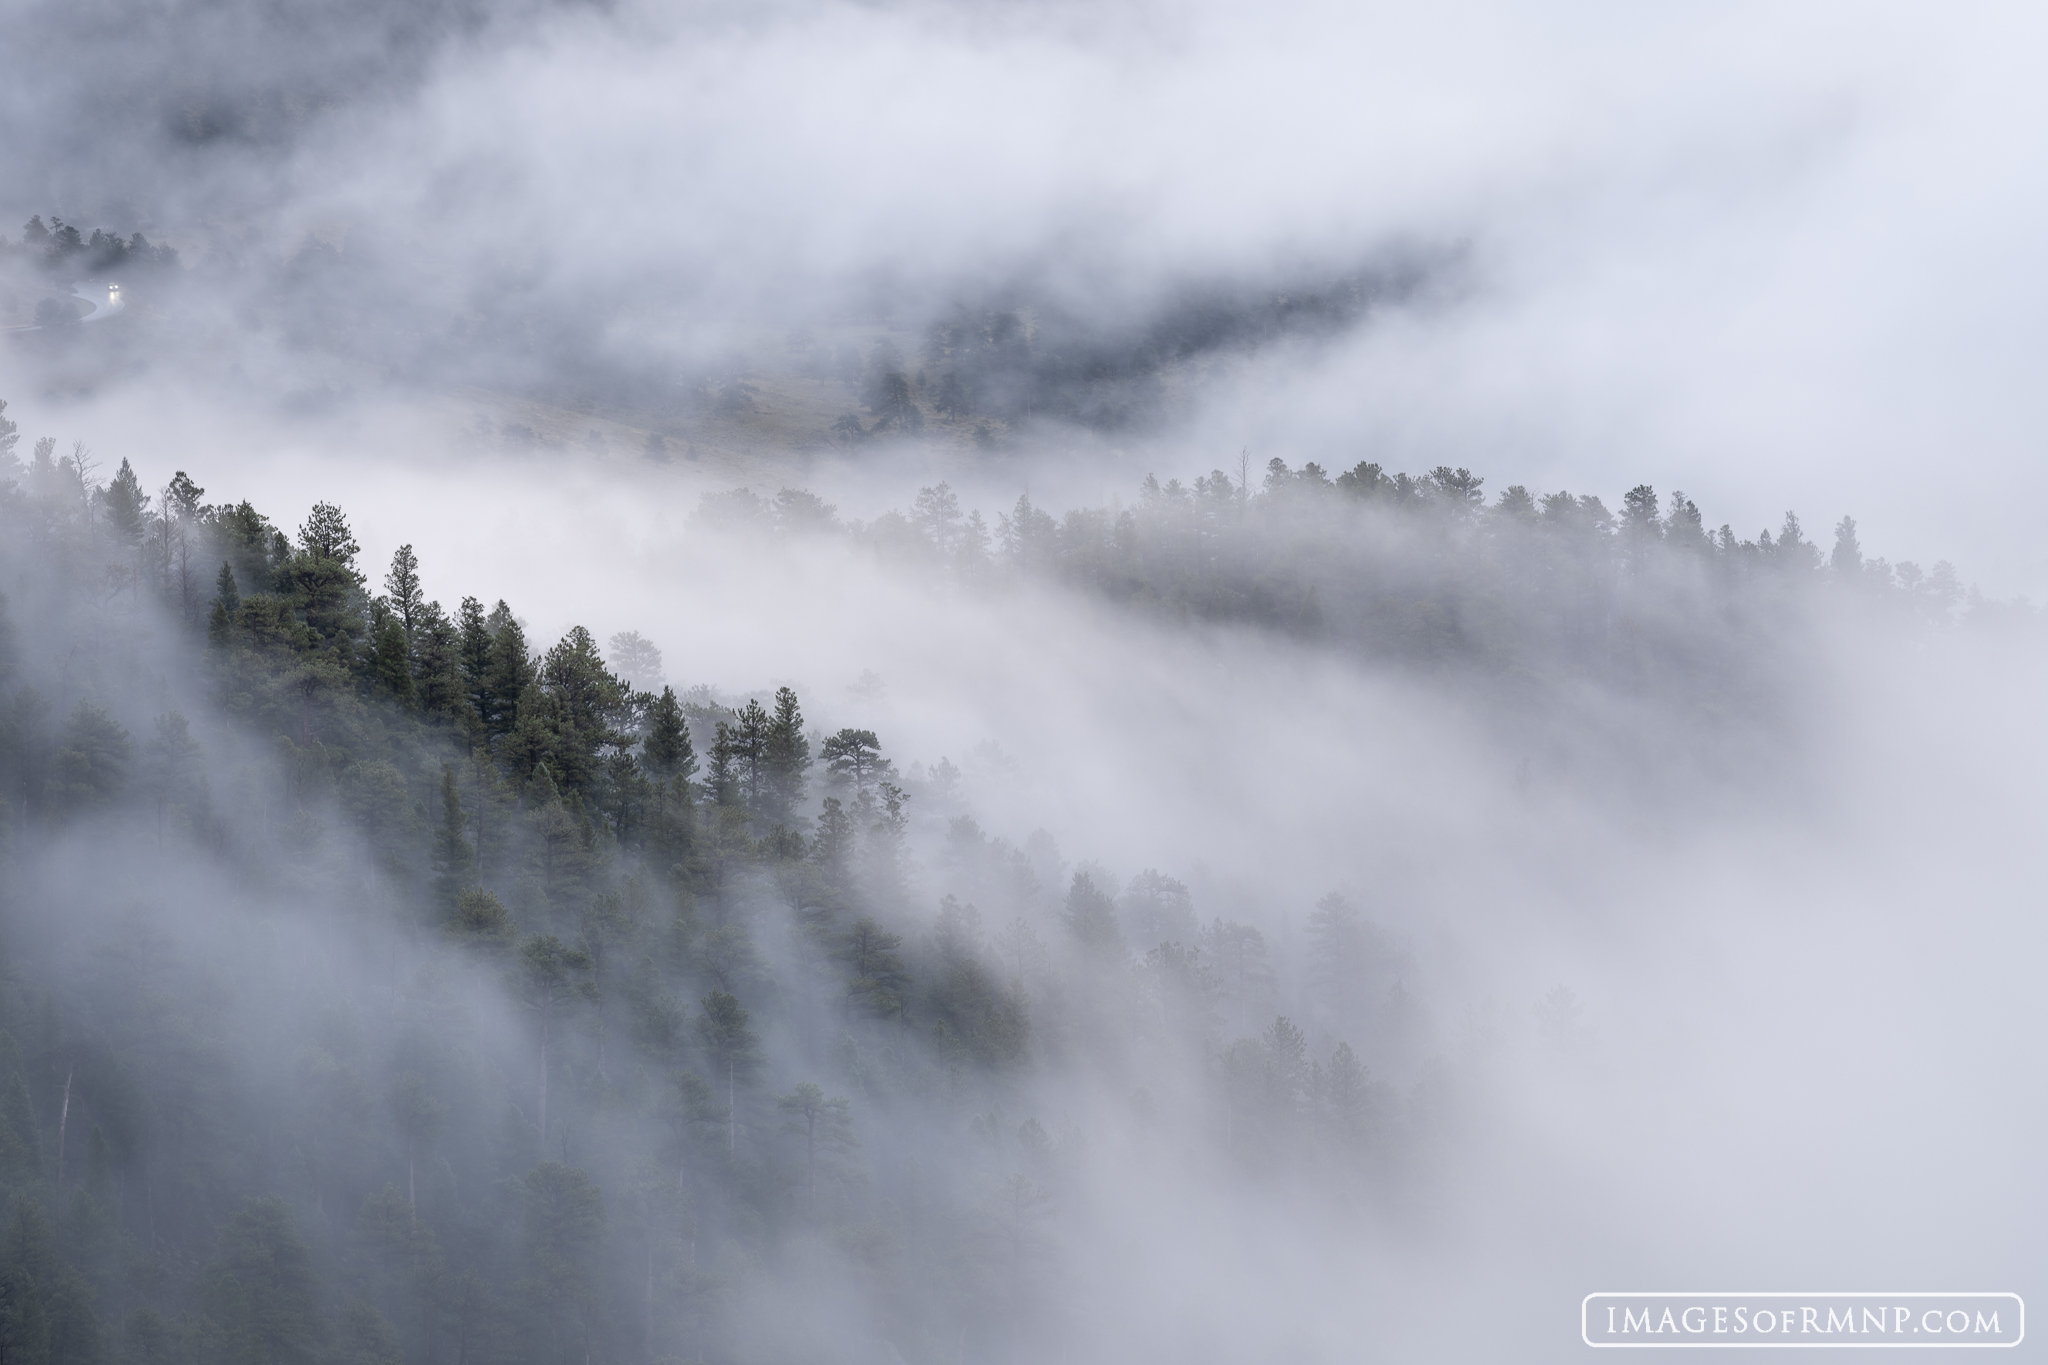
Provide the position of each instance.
(383, 984)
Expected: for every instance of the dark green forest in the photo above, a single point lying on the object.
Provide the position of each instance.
(379, 983)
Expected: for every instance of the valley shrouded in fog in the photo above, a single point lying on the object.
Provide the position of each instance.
(948, 683)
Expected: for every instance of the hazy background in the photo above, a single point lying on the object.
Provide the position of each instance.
(1776, 257)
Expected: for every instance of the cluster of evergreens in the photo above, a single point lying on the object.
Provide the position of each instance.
(63, 249)
(1023, 363)
(1032, 361)
(380, 985)
(1418, 567)
(1548, 603)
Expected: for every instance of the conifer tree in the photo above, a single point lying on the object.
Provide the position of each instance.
(453, 854)
(670, 762)
(474, 648)
(226, 592)
(820, 1122)
(1158, 909)
(262, 1301)
(510, 674)
(125, 501)
(322, 579)
(1091, 916)
(666, 750)
(481, 920)
(786, 759)
(1347, 1097)
(92, 758)
(551, 975)
(391, 662)
(855, 757)
(175, 774)
(733, 1051)
(586, 703)
(402, 590)
(562, 1220)
(1239, 952)
(723, 780)
(885, 850)
(438, 686)
(876, 979)
(832, 849)
(1342, 947)
(1847, 559)
(326, 535)
(750, 730)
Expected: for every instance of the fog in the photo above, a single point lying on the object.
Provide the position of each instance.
(1686, 879)
(1720, 248)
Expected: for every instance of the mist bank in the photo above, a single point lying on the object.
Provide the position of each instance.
(337, 326)
(546, 1008)
(1799, 258)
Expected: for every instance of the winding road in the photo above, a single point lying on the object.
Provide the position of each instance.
(106, 301)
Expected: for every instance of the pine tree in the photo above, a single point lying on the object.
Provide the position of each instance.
(562, 1221)
(125, 502)
(175, 774)
(182, 495)
(1091, 916)
(634, 657)
(1640, 526)
(733, 1051)
(667, 750)
(510, 674)
(437, 671)
(877, 982)
(481, 920)
(786, 759)
(474, 646)
(262, 1300)
(855, 756)
(453, 855)
(402, 590)
(325, 535)
(226, 591)
(722, 782)
(1239, 952)
(885, 850)
(670, 762)
(586, 705)
(749, 740)
(974, 1015)
(1847, 560)
(551, 977)
(92, 758)
(1158, 910)
(1342, 947)
(391, 662)
(322, 579)
(820, 1121)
